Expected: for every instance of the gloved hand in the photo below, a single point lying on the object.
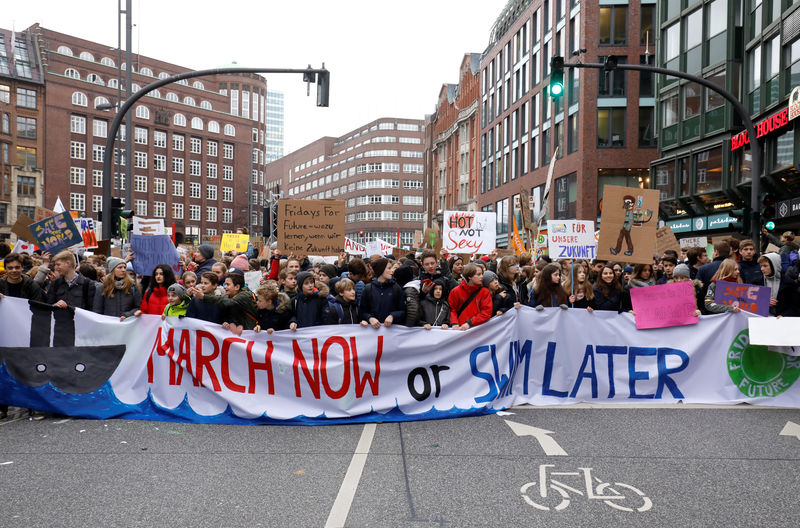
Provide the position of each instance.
(539, 308)
(563, 306)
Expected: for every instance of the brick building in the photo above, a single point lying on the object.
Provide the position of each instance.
(603, 123)
(22, 131)
(377, 169)
(198, 146)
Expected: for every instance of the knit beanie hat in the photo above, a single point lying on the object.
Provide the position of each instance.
(240, 262)
(681, 270)
(379, 266)
(403, 275)
(207, 251)
(113, 262)
(329, 270)
(177, 289)
(302, 277)
(488, 277)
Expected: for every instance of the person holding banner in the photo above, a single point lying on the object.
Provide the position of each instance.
(548, 291)
(310, 305)
(501, 300)
(783, 290)
(238, 304)
(434, 308)
(728, 271)
(119, 296)
(344, 308)
(470, 303)
(383, 300)
(70, 289)
(508, 275)
(155, 298)
(274, 309)
(178, 302)
(199, 309)
(607, 290)
(582, 292)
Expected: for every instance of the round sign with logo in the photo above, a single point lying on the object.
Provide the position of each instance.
(759, 372)
(699, 223)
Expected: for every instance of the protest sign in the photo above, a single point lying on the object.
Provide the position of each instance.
(234, 242)
(354, 248)
(571, 239)
(432, 239)
(665, 239)
(628, 224)
(772, 248)
(746, 297)
(151, 250)
(311, 226)
(41, 213)
(148, 226)
(23, 247)
(690, 242)
(103, 247)
(253, 280)
(469, 231)
(772, 331)
(671, 304)
(56, 233)
(86, 229)
(21, 229)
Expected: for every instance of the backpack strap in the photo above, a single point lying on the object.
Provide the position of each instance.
(466, 303)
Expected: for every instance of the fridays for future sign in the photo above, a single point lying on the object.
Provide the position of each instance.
(571, 239)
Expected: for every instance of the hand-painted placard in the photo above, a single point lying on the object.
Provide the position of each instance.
(86, 228)
(469, 232)
(665, 239)
(56, 233)
(234, 242)
(151, 250)
(671, 304)
(148, 226)
(628, 224)
(311, 227)
(747, 297)
(571, 239)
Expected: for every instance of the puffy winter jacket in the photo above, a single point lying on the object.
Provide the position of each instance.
(750, 270)
(433, 311)
(610, 303)
(278, 317)
(381, 299)
(479, 309)
(411, 291)
(120, 304)
(239, 309)
(154, 301)
(310, 310)
(349, 311)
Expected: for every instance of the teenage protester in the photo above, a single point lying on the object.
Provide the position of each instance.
(434, 308)
(430, 273)
(70, 288)
(238, 304)
(17, 284)
(721, 251)
(287, 283)
(326, 273)
(785, 243)
(668, 263)
(728, 271)
(178, 302)
(358, 273)
(607, 291)
(783, 290)
(204, 258)
(456, 265)
(470, 303)
(344, 309)
(749, 268)
(548, 291)
(154, 299)
(274, 309)
(221, 269)
(383, 301)
(501, 300)
(508, 276)
(680, 274)
(642, 277)
(119, 295)
(202, 310)
(188, 279)
(404, 276)
(581, 292)
(310, 305)
(596, 270)
(696, 258)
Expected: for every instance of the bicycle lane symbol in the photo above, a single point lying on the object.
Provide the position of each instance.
(618, 495)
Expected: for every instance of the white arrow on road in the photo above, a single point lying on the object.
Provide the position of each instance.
(549, 445)
(790, 429)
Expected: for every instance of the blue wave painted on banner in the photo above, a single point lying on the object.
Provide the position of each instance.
(103, 404)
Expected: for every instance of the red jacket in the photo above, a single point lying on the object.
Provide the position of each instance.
(479, 310)
(274, 269)
(156, 303)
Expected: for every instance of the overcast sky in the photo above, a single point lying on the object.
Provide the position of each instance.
(387, 59)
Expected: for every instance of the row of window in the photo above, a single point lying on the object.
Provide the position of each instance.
(25, 98)
(77, 202)
(372, 216)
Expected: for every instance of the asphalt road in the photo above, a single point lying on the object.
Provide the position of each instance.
(670, 466)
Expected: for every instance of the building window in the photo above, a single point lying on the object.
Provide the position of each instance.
(194, 213)
(194, 168)
(709, 170)
(772, 69)
(97, 178)
(99, 128)
(211, 214)
(140, 207)
(140, 183)
(5, 94)
(177, 142)
(610, 127)
(672, 46)
(179, 119)
(26, 127)
(213, 126)
(211, 170)
(27, 156)
(77, 124)
(142, 112)
(140, 135)
(227, 172)
(211, 148)
(177, 165)
(227, 216)
(159, 209)
(159, 162)
(140, 160)
(194, 190)
(77, 150)
(177, 210)
(793, 65)
(26, 186)
(97, 203)
(195, 145)
(646, 124)
(566, 196)
(613, 20)
(77, 176)
(77, 202)
(716, 31)
(669, 106)
(160, 139)
(27, 98)
(229, 130)
(691, 100)
(572, 139)
(693, 39)
(502, 216)
(612, 83)
(754, 78)
(648, 22)
(197, 123)
(159, 186)
(177, 188)
(227, 194)
(227, 151)
(646, 78)
(211, 192)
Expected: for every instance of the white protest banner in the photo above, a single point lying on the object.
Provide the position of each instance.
(571, 239)
(354, 248)
(378, 247)
(24, 247)
(253, 280)
(148, 226)
(774, 332)
(469, 232)
(693, 242)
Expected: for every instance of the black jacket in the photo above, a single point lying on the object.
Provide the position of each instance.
(381, 299)
(502, 300)
(30, 290)
(79, 295)
(309, 310)
(522, 298)
(610, 303)
(278, 317)
(349, 312)
(204, 311)
(750, 270)
(432, 311)
(448, 282)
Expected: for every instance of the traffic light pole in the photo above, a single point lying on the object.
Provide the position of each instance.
(752, 139)
(323, 85)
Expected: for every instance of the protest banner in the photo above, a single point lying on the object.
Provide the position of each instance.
(234, 242)
(747, 297)
(311, 227)
(86, 229)
(21, 229)
(514, 240)
(665, 239)
(56, 233)
(189, 370)
(253, 280)
(23, 247)
(148, 226)
(354, 248)
(571, 239)
(671, 304)
(690, 242)
(628, 224)
(469, 231)
(151, 250)
(771, 331)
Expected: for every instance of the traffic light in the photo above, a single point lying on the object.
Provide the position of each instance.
(556, 77)
(742, 223)
(768, 210)
(117, 214)
(323, 87)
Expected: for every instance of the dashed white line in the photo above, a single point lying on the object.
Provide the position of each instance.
(341, 506)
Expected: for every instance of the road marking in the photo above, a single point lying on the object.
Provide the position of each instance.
(65, 420)
(549, 445)
(790, 429)
(341, 506)
(566, 407)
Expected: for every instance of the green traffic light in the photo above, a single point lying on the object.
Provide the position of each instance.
(770, 225)
(556, 77)
(556, 90)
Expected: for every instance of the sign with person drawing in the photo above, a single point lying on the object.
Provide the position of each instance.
(628, 225)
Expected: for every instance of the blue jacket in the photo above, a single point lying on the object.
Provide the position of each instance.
(309, 310)
(381, 299)
(204, 311)
(750, 270)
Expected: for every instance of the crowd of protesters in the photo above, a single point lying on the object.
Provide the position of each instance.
(418, 289)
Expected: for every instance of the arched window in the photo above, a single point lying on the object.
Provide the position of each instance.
(142, 112)
(100, 100)
(155, 93)
(85, 55)
(197, 123)
(80, 99)
(108, 61)
(179, 120)
(172, 96)
(146, 71)
(198, 85)
(123, 66)
(230, 130)
(213, 126)
(205, 105)
(135, 88)
(96, 79)
(163, 75)
(112, 83)
(72, 72)
(184, 82)
(189, 100)
(64, 50)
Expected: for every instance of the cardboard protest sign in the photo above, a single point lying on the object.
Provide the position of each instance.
(571, 239)
(148, 226)
(42, 212)
(151, 250)
(20, 227)
(56, 233)
(103, 247)
(354, 248)
(772, 248)
(665, 239)
(671, 304)
(432, 239)
(86, 229)
(628, 224)
(747, 297)
(690, 242)
(311, 226)
(234, 242)
(469, 231)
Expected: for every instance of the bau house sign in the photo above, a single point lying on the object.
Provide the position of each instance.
(770, 124)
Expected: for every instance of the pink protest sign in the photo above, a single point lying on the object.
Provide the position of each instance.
(665, 305)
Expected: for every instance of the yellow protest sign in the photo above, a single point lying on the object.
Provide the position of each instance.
(234, 242)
